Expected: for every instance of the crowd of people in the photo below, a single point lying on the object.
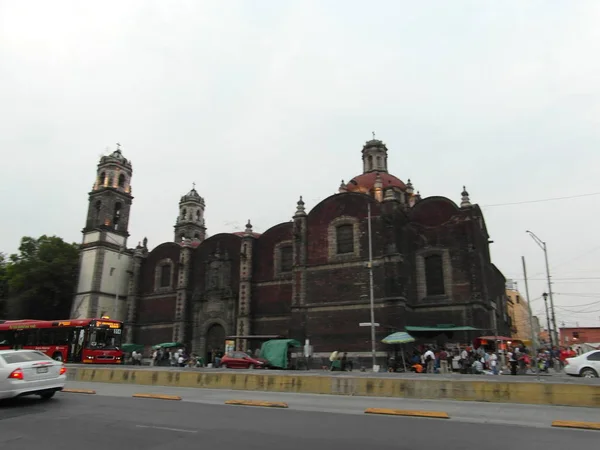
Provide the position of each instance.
(517, 359)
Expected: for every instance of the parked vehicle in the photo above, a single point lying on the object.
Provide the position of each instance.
(586, 365)
(30, 372)
(241, 360)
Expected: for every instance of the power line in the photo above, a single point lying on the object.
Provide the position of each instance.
(541, 200)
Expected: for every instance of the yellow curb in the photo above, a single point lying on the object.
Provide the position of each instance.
(79, 391)
(400, 412)
(257, 403)
(157, 396)
(579, 425)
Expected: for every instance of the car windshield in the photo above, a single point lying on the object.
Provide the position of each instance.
(104, 338)
(19, 357)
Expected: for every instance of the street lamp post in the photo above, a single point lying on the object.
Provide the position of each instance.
(542, 245)
(545, 295)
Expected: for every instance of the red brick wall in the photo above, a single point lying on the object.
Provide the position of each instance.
(264, 250)
(271, 299)
(156, 309)
(153, 336)
(168, 250)
(352, 205)
(591, 335)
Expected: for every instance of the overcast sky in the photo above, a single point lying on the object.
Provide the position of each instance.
(259, 102)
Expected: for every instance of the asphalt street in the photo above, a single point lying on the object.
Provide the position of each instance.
(98, 422)
(112, 418)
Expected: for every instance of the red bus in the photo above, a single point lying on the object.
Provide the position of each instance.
(91, 341)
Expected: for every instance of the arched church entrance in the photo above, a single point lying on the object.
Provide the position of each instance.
(215, 341)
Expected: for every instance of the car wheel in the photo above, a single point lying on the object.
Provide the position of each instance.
(589, 373)
(57, 356)
(47, 395)
(251, 367)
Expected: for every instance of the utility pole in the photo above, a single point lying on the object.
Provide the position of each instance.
(371, 292)
(542, 245)
(545, 295)
(534, 346)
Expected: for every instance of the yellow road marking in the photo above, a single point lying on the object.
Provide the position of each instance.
(79, 391)
(400, 412)
(257, 403)
(579, 425)
(157, 396)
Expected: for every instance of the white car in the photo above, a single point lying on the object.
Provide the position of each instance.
(586, 365)
(29, 372)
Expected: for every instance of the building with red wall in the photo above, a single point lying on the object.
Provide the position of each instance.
(308, 278)
(579, 335)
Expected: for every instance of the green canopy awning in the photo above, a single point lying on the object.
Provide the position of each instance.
(129, 348)
(440, 329)
(167, 345)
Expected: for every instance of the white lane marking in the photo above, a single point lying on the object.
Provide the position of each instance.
(179, 430)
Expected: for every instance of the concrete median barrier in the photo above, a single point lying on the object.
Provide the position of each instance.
(546, 393)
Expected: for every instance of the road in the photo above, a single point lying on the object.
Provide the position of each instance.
(113, 419)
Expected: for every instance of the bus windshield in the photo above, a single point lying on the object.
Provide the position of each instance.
(104, 338)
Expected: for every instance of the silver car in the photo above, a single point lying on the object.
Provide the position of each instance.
(29, 372)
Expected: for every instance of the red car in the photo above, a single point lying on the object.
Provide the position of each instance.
(240, 360)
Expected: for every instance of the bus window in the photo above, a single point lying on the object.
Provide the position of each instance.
(61, 336)
(6, 337)
(46, 337)
(30, 337)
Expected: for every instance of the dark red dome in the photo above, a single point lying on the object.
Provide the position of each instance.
(366, 182)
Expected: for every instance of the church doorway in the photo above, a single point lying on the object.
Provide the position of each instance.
(215, 342)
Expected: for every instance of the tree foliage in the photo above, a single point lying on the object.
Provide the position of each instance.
(40, 279)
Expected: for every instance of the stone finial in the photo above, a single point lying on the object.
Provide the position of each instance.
(145, 242)
(409, 187)
(465, 202)
(248, 231)
(342, 187)
(300, 210)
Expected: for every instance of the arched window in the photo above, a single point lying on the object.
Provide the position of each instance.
(121, 181)
(434, 275)
(196, 236)
(370, 161)
(286, 258)
(165, 276)
(379, 166)
(197, 214)
(183, 213)
(344, 235)
(102, 178)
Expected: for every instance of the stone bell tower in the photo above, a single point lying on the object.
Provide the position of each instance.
(104, 258)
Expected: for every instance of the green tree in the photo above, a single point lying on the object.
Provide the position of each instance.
(41, 278)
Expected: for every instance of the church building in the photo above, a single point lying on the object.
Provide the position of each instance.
(307, 278)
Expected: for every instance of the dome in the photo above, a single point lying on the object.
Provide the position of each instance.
(366, 182)
(192, 196)
(116, 157)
